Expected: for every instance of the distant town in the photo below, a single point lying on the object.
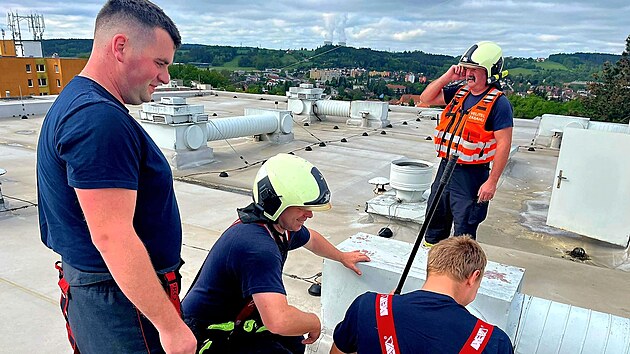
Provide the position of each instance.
(581, 84)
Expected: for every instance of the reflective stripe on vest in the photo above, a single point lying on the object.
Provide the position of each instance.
(479, 338)
(464, 131)
(385, 324)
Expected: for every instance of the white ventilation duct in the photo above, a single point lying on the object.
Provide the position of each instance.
(235, 127)
(309, 103)
(186, 129)
(332, 108)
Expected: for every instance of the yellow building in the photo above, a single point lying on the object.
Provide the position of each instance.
(24, 76)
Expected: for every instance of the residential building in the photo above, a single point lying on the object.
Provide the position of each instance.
(397, 89)
(324, 75)
(379, 73)
(34, 76)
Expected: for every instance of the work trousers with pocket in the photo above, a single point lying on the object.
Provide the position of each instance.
(458, 207)
(103, 320)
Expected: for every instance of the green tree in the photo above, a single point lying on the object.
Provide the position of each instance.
(610, 100)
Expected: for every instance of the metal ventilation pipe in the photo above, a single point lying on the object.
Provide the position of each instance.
(332, 108)
(234, 127)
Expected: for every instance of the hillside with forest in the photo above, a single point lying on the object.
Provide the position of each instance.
(555, 70)
(598, 85)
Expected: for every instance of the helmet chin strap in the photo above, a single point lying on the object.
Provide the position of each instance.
(253, 213)
(494, 78)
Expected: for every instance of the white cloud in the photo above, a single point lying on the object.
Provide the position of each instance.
(549, 37)
(362, 33)
(527, 29)
(448, 25)
(407, 35)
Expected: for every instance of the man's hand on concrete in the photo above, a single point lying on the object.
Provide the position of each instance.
(350, 260)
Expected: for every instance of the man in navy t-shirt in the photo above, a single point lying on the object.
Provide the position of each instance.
(430, 320)
(105, 191)
(239, 287)
(477, 126)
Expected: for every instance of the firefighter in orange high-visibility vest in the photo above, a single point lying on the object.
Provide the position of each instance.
(476, 125)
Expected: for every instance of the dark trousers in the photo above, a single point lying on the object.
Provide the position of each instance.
(458, 207)
(103, 320)
(245, 343)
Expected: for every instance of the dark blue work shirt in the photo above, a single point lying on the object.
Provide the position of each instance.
(425, 323)
(501, 115)
(244, 261)
(89, 141)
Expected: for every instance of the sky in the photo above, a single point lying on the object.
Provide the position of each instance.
(522, 28)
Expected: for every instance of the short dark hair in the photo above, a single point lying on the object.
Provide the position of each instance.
(142, 12)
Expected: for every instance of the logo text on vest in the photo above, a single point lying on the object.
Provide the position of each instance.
(389, 345)
(481, 335)
(383, 310)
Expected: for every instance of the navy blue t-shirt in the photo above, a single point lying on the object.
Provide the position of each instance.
(89, 141)
(244, 261)
(425, 322)
(501, 115)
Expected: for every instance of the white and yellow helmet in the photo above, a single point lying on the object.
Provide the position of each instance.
(288, 180)
(485, 54)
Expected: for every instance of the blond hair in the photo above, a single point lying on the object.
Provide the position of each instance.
(458, 257)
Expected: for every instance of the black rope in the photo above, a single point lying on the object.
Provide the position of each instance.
(30, 204)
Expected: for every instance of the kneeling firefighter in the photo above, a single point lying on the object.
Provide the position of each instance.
(238, 302)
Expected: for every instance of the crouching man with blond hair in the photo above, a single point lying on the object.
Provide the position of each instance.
(430, 320)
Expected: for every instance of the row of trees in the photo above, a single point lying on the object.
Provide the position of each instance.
(609, 100)
(611, 91)
(534, 105)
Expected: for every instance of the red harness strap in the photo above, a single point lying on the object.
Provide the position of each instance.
(173, 290)
(63, 303)
(385, 324)
(478, 339)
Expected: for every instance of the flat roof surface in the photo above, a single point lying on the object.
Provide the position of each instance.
(514, 232)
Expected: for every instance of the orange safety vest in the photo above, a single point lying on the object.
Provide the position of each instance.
(464, 131)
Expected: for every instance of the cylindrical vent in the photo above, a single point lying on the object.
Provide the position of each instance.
(410, 178)
(333, 108)
(235, 127)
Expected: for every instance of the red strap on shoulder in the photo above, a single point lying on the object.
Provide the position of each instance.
(479, 337)
(385, 324)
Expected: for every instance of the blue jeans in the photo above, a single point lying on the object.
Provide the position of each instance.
(103, 320)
